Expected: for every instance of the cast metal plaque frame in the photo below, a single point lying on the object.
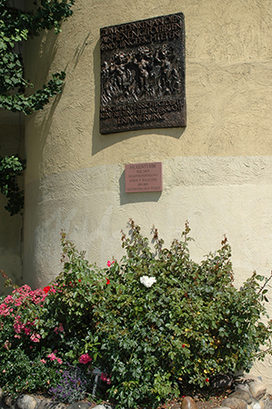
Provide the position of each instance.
(143, 75)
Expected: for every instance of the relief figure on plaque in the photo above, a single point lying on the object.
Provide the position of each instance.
(134, 75)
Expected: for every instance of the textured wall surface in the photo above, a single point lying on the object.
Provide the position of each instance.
(216, 171)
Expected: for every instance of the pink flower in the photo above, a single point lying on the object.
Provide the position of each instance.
(7, 345)
(59, 361)
(58, 329)
(8, 299)
(108, 263)
(52, 356)
(84, 359)
(43, 361)
(4, 310)
(35, 337)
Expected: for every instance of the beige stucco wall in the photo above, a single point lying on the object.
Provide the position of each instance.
(11, 142)
(217, 173)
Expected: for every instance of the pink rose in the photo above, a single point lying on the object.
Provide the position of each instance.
(52, 356)
(27, 331)
(59, 329)
(84, 359)
(35, 337)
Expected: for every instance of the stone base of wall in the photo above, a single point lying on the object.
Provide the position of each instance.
(249, 393)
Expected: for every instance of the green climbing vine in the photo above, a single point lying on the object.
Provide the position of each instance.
(16, 27)
(10, 168)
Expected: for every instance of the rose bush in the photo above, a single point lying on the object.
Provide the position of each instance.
(154, 323)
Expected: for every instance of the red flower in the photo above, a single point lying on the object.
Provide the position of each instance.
(46, 289)
(105, 378)
(79, 281)
(183, 345)
(207, 380)
(84, 359)
(108, 281)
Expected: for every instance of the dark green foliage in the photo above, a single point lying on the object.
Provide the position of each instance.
(16, 26)
(189, 326)
(154, 323)
(25, 372)
(10, 168)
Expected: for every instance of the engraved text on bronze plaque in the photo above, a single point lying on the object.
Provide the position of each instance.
(143, 177)
(143, 75)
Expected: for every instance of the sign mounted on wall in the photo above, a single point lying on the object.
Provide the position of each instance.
(143, 177)
(143, 75)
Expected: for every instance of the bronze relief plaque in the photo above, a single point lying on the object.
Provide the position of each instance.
(143, 75)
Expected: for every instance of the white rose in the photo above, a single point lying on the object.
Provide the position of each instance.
(147, 281)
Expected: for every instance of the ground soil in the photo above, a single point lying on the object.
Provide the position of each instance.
(201, 403)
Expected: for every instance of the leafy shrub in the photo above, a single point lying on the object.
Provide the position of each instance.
(22, 372)
(154, 322)
(188, 326)
(21, 351)
(54, 324)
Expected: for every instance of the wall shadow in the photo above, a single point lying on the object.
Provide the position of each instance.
(101, 141)
(45, 50)
(48, 56)
(140, 197)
